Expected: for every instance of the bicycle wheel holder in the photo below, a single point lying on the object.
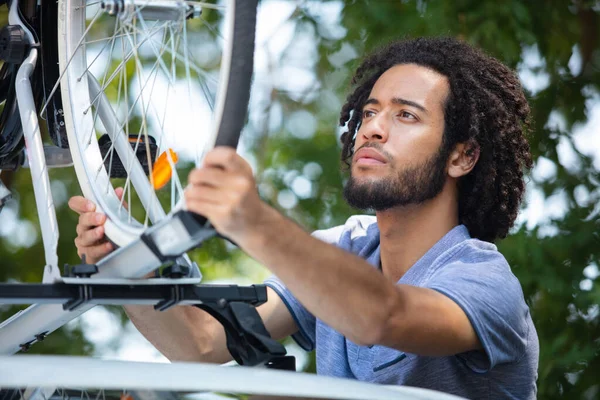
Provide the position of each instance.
(233, 306)
(110, 282)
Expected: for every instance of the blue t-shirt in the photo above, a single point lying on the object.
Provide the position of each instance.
(473, 274)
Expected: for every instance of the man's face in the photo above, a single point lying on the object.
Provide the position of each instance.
(398, 159)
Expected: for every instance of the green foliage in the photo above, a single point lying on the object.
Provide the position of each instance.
(549, 259)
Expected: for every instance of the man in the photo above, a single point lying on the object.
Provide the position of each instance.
(417, 295)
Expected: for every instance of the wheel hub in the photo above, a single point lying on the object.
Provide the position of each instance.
(157, 10)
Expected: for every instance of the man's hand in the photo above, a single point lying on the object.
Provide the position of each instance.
(90, 239)
(224, 191)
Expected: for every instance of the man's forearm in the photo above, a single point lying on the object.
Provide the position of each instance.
(182, 333)
(356, 306)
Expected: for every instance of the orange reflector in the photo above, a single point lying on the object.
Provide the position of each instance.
(126, 396)
(161, 170)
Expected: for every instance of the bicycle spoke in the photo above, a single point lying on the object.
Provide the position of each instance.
(56, 85)
(88, 42)
(212, 29)
(193, 66)
(92, 3)
(131, 109)
(115, 72)
(112, 44)
(144, 126)
(122, 81)
(158, 58)
(181, 58)
(176, 186)
(125, 124)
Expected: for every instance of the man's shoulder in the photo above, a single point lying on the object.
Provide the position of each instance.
(474, 260)
(355, 226)
(473, 252)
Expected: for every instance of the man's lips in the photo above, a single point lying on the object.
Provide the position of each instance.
(367, 155)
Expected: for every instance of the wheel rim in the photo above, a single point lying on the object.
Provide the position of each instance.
(127, 82)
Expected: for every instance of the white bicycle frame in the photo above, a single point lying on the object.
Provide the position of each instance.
(35, 153)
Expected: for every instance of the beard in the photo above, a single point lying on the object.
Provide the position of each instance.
(411, 186)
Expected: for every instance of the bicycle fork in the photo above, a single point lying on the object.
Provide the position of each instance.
(35, 152)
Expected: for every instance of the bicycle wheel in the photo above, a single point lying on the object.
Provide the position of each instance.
(56, 378)
(148, 87)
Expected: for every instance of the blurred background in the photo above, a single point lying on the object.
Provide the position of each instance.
(306, 54)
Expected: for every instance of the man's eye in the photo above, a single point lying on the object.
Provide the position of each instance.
(367, 114)
(406, 114)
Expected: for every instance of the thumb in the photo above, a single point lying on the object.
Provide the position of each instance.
(119, 192)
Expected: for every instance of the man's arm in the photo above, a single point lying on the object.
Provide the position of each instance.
(182, 333)
(337, 287)
(186, 333)
(352, 297)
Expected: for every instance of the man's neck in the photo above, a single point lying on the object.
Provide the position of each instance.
(407, 233)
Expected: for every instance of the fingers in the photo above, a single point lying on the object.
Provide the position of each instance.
(89, 221)
(206, 209)
(221, 156)
(226, 158)
(207, 176)
(96, 252)
(119, 192)
(90, 236)
(80, 204)
(90, 240)
(218, 178)
(205, 194)
(217, 187)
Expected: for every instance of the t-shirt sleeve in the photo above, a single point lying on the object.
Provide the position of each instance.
(305, 337)
(492, 298)
(306, 322)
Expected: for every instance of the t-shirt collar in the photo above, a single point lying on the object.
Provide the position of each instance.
(455, 236)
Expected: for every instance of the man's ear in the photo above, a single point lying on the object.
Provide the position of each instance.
(463, 158)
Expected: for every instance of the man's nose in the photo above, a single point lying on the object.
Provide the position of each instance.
(377, 128)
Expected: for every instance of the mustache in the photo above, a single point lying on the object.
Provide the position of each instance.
(375, 146)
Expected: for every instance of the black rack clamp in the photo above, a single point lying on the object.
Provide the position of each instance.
(173, 270)
(176, 296)
(83, 270)
(248, 341)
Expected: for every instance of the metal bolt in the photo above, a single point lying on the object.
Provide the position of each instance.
(196, 12)
(222, 303)
(25, 346)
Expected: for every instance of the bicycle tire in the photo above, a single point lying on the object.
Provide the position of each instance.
(229, 116)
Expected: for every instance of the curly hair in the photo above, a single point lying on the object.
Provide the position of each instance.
(486, 108)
